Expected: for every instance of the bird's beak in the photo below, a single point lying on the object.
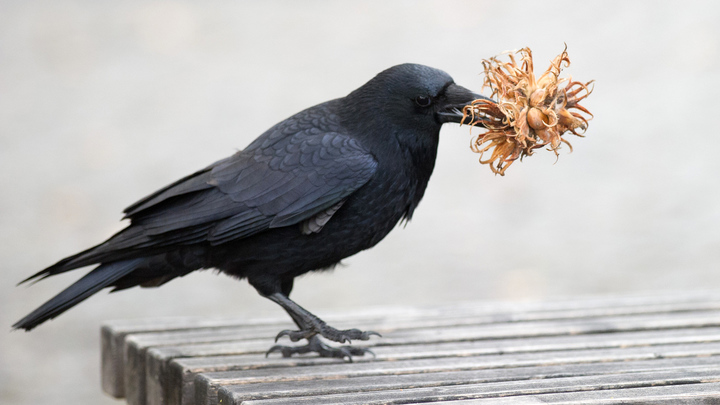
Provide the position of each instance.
(456, 98)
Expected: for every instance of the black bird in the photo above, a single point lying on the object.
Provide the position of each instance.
(318, 187)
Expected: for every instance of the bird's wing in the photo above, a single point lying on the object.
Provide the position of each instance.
(278, 182)
(188, 184)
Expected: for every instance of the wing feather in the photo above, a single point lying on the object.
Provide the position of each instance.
(286, 181)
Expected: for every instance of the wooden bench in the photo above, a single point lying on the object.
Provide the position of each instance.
(661, 349)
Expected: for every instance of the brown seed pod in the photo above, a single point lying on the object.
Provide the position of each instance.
(536, 118)
(529, 113)
(537, 97)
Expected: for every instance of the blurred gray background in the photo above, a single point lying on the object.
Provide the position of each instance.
(103, 102)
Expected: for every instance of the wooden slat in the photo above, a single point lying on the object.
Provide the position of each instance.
(685, 394)
(306, 388)
(174, 361)
(501, 389)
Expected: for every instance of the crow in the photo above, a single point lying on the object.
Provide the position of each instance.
(322, 185)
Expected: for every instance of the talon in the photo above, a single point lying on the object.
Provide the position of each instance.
(345, 353)
(279, 348)
(282, 333)
(366, 335)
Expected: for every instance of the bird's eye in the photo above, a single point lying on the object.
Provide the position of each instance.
(423, 101)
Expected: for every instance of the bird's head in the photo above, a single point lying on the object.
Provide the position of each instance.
(412, 96)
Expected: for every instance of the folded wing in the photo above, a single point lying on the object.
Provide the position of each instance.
(278, 181)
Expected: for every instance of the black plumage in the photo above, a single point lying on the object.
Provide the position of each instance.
(317, 187)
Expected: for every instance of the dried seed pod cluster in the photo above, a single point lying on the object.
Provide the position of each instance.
(529, 113)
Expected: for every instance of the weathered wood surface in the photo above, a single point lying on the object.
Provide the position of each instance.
(638, 349)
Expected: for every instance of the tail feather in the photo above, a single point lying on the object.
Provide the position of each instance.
(102, 276)
(115, 249)
(57, 268)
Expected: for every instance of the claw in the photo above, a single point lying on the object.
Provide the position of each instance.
(278, 348)
(281, 334)
(366, 335)
(317, 346)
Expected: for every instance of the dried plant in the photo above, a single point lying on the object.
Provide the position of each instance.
(529, 113)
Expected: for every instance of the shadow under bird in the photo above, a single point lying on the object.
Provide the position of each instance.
(318, 187)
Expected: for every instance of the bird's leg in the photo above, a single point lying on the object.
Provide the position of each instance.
(310, 325)
(311, 328)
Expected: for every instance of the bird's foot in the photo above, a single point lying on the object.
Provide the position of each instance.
(316, 346)
(319, 327)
